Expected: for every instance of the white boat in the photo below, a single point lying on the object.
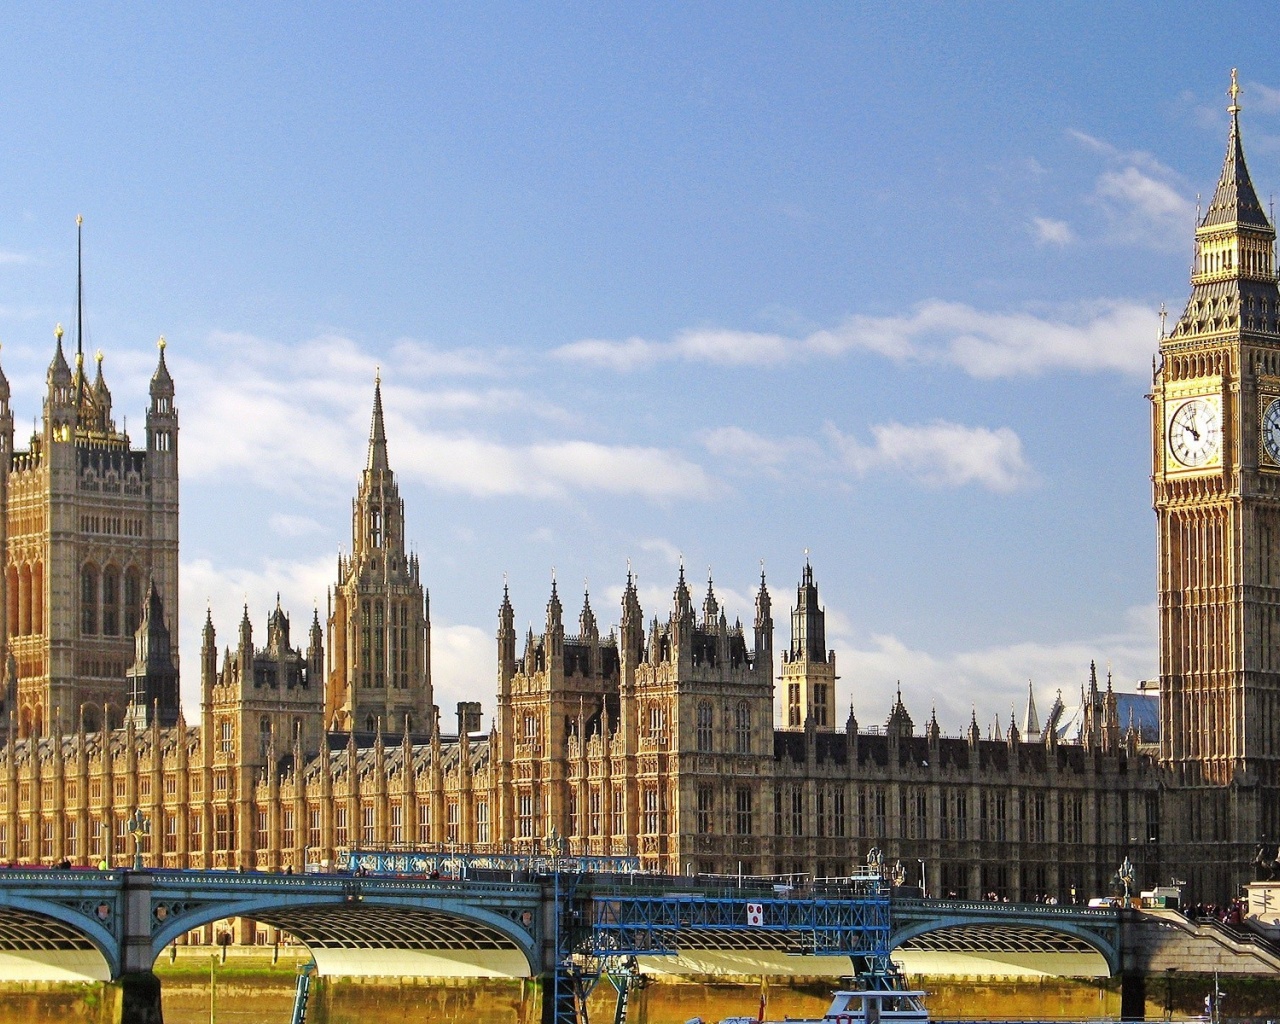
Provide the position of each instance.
(873, 1005)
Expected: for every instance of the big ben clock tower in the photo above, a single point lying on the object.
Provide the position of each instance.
(1216, 488)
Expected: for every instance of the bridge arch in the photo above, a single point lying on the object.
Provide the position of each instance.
(1003, 936)
(63, 940)
(378, 934)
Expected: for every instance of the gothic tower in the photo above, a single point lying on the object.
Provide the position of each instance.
(808, 668)
(88, 519)
(1216, 490)
(379, 620)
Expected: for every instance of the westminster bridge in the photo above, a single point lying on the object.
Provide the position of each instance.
(564, 927)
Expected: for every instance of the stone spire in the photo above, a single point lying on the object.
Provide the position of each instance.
(1031, 720)
(377, 433)
(1233, 276)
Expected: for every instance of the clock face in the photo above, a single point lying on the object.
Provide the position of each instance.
(1195, 433)
(1271, 430)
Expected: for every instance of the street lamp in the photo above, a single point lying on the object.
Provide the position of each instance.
(924, 889)
(138, 826)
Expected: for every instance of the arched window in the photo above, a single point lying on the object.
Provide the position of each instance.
(12, 601)
(365, 645)
(24, 601)
(88, 600)
(742, 728)
(379, 651)
(37, 598)
(705, 727)
(110, 601)
(368, 724)
(132, 601)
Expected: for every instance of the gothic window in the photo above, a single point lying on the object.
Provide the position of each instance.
(797, 811)
(742, 728)
(742, 810)
(657, 720)
(706, 807)
(226, 737)
(482, 821)
(37, 598)
(619, 813)
(593, 821)
(366, 825)
(651, 810)
(820, 704)
(88, 600)
(313, 826)
(793, 704)
(264, 734)
(572, 809)
(705, 726)
(24, 609)
(524, 816)
(838, 824)
(12, 610)
(365, 646)
(286, 828)
(424, 823)
(530, 726)
(110, 601)
(369, 724)
(132, 601)
(397, 824)
(375, 528)
(264, 837)
(379, 665)
(340, 826)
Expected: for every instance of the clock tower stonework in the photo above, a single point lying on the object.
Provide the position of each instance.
(1216, 492)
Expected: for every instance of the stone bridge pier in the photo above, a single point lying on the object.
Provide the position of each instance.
(139, 987)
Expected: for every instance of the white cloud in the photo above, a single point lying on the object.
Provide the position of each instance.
(1052, 232)
(940, 454)
(1263, 98)
(464, 666)
(871, 669)
(937, 454)
(225, 590)
(288, 419)
(287, 525)
(1141, 198)
(1089, 337)
(9, 257)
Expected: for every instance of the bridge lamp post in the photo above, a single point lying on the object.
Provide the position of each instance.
(924, 889)
(138, 826)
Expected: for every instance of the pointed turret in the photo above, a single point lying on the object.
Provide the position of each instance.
(1233, 276)
(377, 461)
(710, 606)
(975, 734)
(1235, 201)
(1031, 720)
(587, 618)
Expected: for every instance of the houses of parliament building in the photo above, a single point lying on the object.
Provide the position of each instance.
(654, 738)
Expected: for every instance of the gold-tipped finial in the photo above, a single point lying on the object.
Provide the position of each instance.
(377, 375)
(161, 343)
(1234, 93)
(57, 332)
(79, 360)
(79, 220)
(98, 356)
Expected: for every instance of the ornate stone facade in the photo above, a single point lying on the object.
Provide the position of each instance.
(654, 740)
(89, 522)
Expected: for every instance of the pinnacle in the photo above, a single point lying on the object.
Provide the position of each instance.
(377, 434)
(1235, 201)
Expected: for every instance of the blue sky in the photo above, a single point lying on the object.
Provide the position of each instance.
(730, 281)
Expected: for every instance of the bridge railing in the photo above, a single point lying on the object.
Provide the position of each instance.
(458, 864)
(1007, 909)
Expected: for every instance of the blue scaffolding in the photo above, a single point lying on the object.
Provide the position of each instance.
(850, 921)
